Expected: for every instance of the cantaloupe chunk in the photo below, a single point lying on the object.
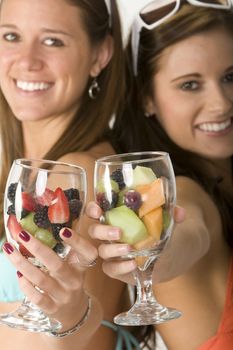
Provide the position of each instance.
(146, 243)
(152, 196)
(154, 222)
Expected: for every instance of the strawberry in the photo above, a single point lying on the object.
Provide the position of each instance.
(58, 212)
(28, 202)
(13, 226)
(24, 251)
(46, 198)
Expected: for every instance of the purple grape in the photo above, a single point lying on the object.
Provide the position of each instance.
(107, 203)
(133, 200)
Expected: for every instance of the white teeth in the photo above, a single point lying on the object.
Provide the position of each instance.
(30, 86)
(215, 127)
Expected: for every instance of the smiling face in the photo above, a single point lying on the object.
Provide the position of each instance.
(193, 93)
(46, 58)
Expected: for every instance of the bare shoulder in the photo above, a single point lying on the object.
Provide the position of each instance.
(190, 193)
(87, 159)
(199, 204)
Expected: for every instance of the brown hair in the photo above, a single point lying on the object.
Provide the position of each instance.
(134, 132)
(82, 132)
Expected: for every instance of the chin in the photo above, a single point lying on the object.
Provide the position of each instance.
(225, 154)
(28, 115)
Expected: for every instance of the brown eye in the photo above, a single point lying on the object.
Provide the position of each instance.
(53, 42)
(11, 37)
(190, 85)
(228, 78)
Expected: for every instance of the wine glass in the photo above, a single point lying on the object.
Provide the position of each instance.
(137, 193)
(41, 197)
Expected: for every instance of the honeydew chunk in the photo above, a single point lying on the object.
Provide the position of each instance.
(133, 229)
(166, 219)
(28, 224)
(154, 222)
(142, 175)
(107, 186)
(152, 196)
(120, 201)
(45, 237)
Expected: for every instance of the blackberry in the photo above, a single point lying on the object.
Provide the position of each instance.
(24, 213)
(72, 193)
(11, 191)
(41, 217)
(56, 229)
(11, 210)
(59, 248)
(118, 177)
(132, 199)
(105, 203)
(75, 207)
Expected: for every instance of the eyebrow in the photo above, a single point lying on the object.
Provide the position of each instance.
(196, 75)
(229, 69)
(45, 30)
(185, 76)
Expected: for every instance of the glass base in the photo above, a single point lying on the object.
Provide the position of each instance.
(144, 315)
(31, 319)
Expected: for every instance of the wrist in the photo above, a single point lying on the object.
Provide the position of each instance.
(77, 326)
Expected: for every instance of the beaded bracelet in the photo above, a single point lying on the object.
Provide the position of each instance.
(76, 327)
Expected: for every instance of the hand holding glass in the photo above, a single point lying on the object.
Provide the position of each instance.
(41, 198)
(137, 193)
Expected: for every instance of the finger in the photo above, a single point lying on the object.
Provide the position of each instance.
(121, 270)
(82, 249)
(93, 210)
(179, 214)
(42, 300)
(36, 276)
(108, 251)
(56, 266)
(104, 232)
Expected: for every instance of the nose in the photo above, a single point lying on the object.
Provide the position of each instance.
(219, 100)
(29, 58)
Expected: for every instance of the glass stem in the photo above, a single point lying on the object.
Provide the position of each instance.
(144, 285)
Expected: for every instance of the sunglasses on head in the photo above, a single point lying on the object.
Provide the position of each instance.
(158, 11)
(108, 5)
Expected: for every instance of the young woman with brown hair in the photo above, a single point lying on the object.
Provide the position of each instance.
(59, 65)
(181, 101)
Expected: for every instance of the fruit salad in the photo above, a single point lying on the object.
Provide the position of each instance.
(138, 208)
(42, 216)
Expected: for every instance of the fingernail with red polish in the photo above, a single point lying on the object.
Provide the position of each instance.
(24, 236)
(67, 233)
(19, 274)
(8, 248)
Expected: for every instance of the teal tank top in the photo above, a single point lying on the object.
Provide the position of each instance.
(9, 287)
(124, 338)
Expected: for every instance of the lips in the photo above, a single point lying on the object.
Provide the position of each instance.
(215, 127)
(32, 86)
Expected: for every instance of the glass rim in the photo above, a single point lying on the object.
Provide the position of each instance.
(109, 160)
(19, 161)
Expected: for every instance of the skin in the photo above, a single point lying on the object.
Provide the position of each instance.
(192, 90)
(51, 47)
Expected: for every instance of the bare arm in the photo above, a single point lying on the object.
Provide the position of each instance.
(190, 239)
